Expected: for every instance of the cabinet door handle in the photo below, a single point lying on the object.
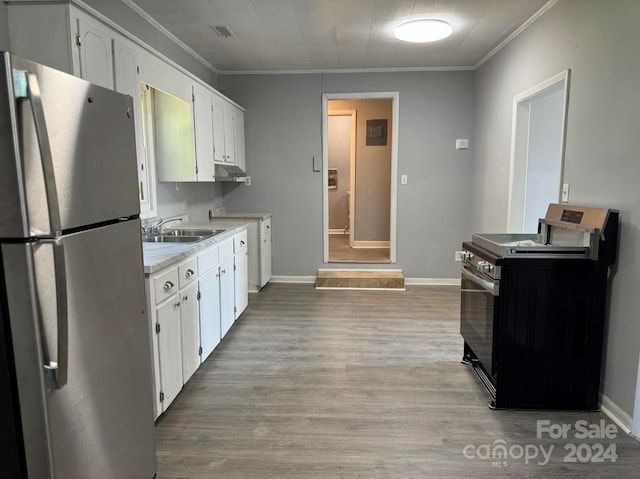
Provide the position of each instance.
(268, 227)
(185, 298)
(241, 243)
(176, 305)
(224, 271)
(168, 286)
(189, 273)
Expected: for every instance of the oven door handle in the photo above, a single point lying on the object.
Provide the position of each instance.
(490, 286)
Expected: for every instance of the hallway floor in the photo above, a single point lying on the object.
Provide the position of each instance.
(341, 252)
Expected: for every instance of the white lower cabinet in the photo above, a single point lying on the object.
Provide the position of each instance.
(193, 305)
(209, 312)
(241, 273)
(227, 300)
(169, 345)
(189, 331)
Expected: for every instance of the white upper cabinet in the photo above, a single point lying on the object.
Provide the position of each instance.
(125, 73)
(238, 133)
(203, 126)
(228, 133)
(220, 155)
(93, 42)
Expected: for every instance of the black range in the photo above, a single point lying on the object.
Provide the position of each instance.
(533, 308)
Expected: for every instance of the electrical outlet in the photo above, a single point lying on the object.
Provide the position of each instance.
(565, 192)
(404, 179)
(247, 181)
(458, 256)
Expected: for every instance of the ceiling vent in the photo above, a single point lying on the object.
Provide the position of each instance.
(222, 31)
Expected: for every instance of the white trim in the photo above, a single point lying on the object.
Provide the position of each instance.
(293, 279)
(371, 244)
(635, 423)
(563, 76)
(133, 6)
(336, 231)
(395, 97)
(432, 281)
(616, 414)
(547, 6)
(348, 70)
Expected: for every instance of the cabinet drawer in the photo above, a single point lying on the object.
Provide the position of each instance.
(225, 250)
(266, 226)
(208, 260)
(240, 241)
(188, 272)
(166, 285)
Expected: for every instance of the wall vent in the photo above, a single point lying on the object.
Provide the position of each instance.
(222, 31)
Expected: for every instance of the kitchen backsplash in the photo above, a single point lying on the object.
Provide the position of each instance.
(193, 199)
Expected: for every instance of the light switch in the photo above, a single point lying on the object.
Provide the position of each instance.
(317, 163)
(403, 179)
(462, 144)
(565, 192)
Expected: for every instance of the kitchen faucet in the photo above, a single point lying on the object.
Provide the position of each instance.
(155, 227)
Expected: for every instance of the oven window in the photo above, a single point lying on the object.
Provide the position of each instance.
(477, 309)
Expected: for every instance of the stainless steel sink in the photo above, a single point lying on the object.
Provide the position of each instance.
(191, 232)
(171, 239)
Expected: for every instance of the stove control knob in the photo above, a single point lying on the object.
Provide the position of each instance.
(466, 255)
(485, 266)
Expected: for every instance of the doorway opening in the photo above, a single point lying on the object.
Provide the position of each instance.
(359, 176)
(537, 152)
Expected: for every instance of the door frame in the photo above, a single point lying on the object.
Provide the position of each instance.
(352, 168)
(519, 149)
(394, 96)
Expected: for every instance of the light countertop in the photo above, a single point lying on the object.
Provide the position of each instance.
(229, 215)
(157, 256)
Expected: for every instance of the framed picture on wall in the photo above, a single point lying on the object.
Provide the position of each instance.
(333, 178)
(376, 132)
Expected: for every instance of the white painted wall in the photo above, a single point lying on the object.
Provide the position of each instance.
(598, 42)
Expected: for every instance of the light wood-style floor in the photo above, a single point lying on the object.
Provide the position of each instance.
(328, 384)
(341, 252)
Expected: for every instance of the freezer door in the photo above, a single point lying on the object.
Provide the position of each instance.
(90, 137)
(100, 424)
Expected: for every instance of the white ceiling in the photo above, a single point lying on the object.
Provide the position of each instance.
(281, 35)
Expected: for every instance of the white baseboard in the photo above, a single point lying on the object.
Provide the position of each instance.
(337, 231)
(407, 281)
(432, 281)
(293, 279)
(371, 244)
(617, 415)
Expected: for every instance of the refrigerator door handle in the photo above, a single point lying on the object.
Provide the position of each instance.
(57, 370)
(26, 86)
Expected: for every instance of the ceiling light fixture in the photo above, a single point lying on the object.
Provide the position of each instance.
(423, 31)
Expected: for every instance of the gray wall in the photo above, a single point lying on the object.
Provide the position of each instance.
(4, 28)
(283, 132)
(598, 42)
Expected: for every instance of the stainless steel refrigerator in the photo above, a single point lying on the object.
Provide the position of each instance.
(75, 363)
